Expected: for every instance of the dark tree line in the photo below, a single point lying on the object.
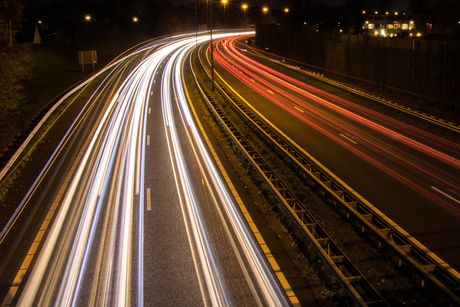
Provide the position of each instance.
(14, 63)
(108, 20)
(112, 19)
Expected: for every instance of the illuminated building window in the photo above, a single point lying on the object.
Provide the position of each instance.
(397, 26)
(390, 26)
(405, 26)
(371, 26)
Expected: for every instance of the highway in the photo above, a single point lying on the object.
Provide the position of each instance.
(411, 176)
(131, 208)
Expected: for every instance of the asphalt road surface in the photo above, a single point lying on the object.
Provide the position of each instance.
(409, 175)
(131, 209)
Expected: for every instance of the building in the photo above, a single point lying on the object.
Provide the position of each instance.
(396, 25)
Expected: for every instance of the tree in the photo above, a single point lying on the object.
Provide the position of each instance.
(14, 67)
(10, 21)
(14, 63)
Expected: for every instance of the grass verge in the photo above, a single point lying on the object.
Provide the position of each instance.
(56, 70)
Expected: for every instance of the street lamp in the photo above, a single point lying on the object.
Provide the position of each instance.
(286, 13)
(135, 19)
(265, 9)
(245, 6)
(209, 9)
(87, 17)
(224, 3)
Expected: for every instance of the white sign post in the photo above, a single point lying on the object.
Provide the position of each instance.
(87, 57)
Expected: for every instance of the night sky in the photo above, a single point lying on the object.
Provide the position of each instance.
(400, 4)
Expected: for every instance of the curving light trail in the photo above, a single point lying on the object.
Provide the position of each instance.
(93, 253)
(330, 115)
(257, 266)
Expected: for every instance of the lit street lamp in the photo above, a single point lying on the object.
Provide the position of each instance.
(286, 13)
(245, 6)
(265, 9)
(224, 3)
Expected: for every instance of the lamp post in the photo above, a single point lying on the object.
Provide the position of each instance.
(212, 51)
(11, 35)
(196, 27)
(265, 9)
(224, 3)
(244, 6)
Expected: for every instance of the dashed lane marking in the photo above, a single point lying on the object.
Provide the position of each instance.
(149, 200)
(346, 137)
(300, 109)
(446, 195)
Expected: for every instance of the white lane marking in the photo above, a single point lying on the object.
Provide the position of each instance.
(299, 109)
(446, 195)
(149, 200)
(346, 137)
(148, 140)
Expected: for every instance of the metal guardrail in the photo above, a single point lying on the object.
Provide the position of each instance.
(359, 289)
(432, 270)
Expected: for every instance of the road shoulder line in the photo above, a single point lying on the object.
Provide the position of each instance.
(271, 259)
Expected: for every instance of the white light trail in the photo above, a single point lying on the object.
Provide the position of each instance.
(108, 186)
(265, 279)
